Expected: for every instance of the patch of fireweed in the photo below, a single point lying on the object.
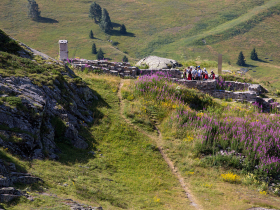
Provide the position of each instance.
(254, 139)
(158, 87)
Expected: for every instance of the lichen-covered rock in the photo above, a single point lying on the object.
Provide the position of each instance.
(33, 117)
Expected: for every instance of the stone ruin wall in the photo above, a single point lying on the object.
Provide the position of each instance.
(238, 91)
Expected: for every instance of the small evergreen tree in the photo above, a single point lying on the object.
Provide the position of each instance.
(93, 49)
(241, 59)
(33, 10)
(125, 59)
(105, 23)
(100, 54)
(91, 34)
(123, 29)
(95, 12)
(254, 55)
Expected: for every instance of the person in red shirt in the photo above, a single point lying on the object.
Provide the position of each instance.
(189, 73)
(212, 75)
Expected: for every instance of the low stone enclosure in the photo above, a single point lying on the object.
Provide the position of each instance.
(238, 91)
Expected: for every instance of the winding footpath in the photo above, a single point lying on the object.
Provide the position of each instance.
(159, 142)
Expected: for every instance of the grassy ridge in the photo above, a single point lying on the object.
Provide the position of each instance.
(161, 27)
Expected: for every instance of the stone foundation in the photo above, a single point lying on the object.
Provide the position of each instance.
(247, 92)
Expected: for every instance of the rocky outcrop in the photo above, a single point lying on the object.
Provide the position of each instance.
(9, 177)
(33, 118)
(155, 62)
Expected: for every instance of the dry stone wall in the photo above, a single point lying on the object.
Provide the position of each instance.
(237, 90)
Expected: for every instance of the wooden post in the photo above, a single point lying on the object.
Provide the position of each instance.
(220, 61)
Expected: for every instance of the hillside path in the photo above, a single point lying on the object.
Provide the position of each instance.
(159, 142)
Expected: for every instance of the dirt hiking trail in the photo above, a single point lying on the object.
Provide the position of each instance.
(159, 142)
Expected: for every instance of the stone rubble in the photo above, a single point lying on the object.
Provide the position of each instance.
(9, 177)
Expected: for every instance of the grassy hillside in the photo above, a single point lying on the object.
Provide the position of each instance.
(165, 28)
(205, 139)
(123, 167)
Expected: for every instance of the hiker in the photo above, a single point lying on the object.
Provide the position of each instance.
(185, 74)
(189, 73)
(212, 75)
(205, 74)
(199, 73)
(194, 74)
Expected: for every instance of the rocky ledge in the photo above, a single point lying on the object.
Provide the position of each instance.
(34, 117)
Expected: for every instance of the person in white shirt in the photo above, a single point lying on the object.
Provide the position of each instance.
(199, 73)
(194, 73)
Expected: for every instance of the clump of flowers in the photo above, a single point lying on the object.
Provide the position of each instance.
(207, 185)
(188, 138)
(231, 177)
(189, 172)
(156, 199)
(250, 179)
(263, 192)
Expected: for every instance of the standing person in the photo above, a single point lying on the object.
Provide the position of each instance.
(189, 73)
(202, 75)
(185, 74)
(205, 74)
(212, 75)
(199, 73)
(194, 74)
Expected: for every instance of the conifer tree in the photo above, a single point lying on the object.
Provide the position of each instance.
(95, 12)
(93, 50)
(91, 34)
(254, 55)
(123, 29)
(100, 54)
(125, 59)
(241, 59)
(105, 23)
(33, 10)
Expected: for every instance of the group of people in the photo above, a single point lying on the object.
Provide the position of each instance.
(196, 73)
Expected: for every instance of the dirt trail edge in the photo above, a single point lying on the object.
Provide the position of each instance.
(158, 140)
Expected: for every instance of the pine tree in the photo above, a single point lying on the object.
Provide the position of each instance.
(95, 12)
(254, 55)
(100, 54)
(91, 34)
(105, 23)
(241, 59)
(125, 59)
(93, 50)
(33, 10)
(123, 29)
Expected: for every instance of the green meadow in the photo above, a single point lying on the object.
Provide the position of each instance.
(193, 30)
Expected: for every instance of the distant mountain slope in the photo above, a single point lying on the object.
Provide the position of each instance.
(178, 30)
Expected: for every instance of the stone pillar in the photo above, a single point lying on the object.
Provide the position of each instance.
(220, 62)
(63, 50)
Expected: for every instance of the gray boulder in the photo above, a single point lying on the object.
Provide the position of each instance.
(155, 62)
